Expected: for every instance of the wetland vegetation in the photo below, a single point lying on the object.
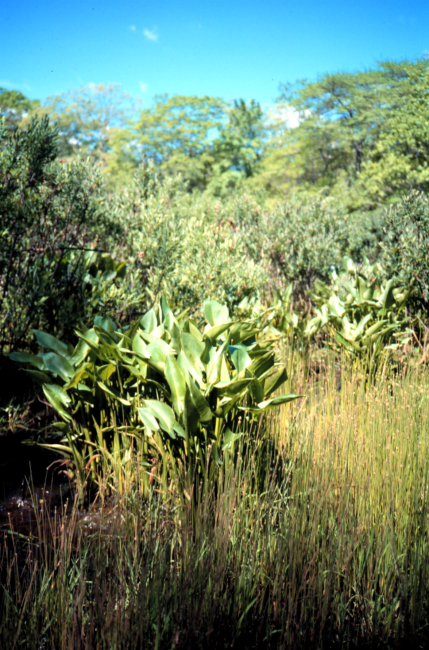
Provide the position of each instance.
(214, 407)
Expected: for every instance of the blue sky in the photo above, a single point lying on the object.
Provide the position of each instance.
(227, 49)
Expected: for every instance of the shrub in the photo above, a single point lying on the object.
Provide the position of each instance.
(183, 244)
(406, 247)
(51, 216)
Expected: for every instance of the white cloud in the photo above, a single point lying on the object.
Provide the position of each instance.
(284, 114)
(151, 34)
(132, 28)
(143, 86)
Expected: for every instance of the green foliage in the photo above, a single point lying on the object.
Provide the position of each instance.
(300, 241)
(51, 217)
(175, 134)
(366, 313)
(182, 244)
(362, 137)
(85, 120)
(162, 389)
(406, 247)
(237, 151)
(14, 106)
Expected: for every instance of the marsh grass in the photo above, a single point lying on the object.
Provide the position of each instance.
(318, 538)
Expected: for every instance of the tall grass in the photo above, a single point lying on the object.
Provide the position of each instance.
(318, 538)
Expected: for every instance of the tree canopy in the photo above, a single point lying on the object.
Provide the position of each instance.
(363, 135)
(360, 138)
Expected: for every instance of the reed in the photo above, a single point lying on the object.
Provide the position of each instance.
(315, 537)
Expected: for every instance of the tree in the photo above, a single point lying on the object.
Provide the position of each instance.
(14, 106)
(86, 118)
(361, 136)
(176, 132)
(238, 149)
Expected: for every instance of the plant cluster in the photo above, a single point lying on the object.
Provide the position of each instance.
(405, 249)
(365, 312)
(50, 220)
(161, 389)
(333, 555)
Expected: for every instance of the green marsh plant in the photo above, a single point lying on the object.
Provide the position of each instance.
(172, 394)
(334, 556)
(365, 313)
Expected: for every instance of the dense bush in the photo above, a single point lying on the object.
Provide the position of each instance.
(184, 245)
(406, 246)
(301, 241)
(51, 217)
(365, 313)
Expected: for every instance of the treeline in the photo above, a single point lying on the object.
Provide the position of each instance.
(360, 139)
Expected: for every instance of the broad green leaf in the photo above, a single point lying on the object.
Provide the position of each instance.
(188, 368)
(80, 352)
(140, 372)
(91, 339)
(157, 357)
(105, 372)
(215, 313)
(351, 346)
(226, 405)
(360, 328)
(260, 365)
(25, 357)
(271, 403)
(214, 332)
(224, 372)
(177, 383)
(140, 347)
(178, 429)
(242, 333)
(194, 331)
(229, 438)
(113, 392)
(193, 349)
(214, 366)
(387, 299)
(190, 417)
(52, 343)
(256, 390)
(208, 352)
(59, 365)
(200, 402)
(78, 376)
(335, 306)
(234, 387)
(40, 377)
(58, 398)
(240, 357)
(176, 337)
(274, 381)
(276, 401)
(148, 419)
(163, 412)
(156, 341)
(165, 307)
(148, 321)
(106, 324)
(375, 328)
